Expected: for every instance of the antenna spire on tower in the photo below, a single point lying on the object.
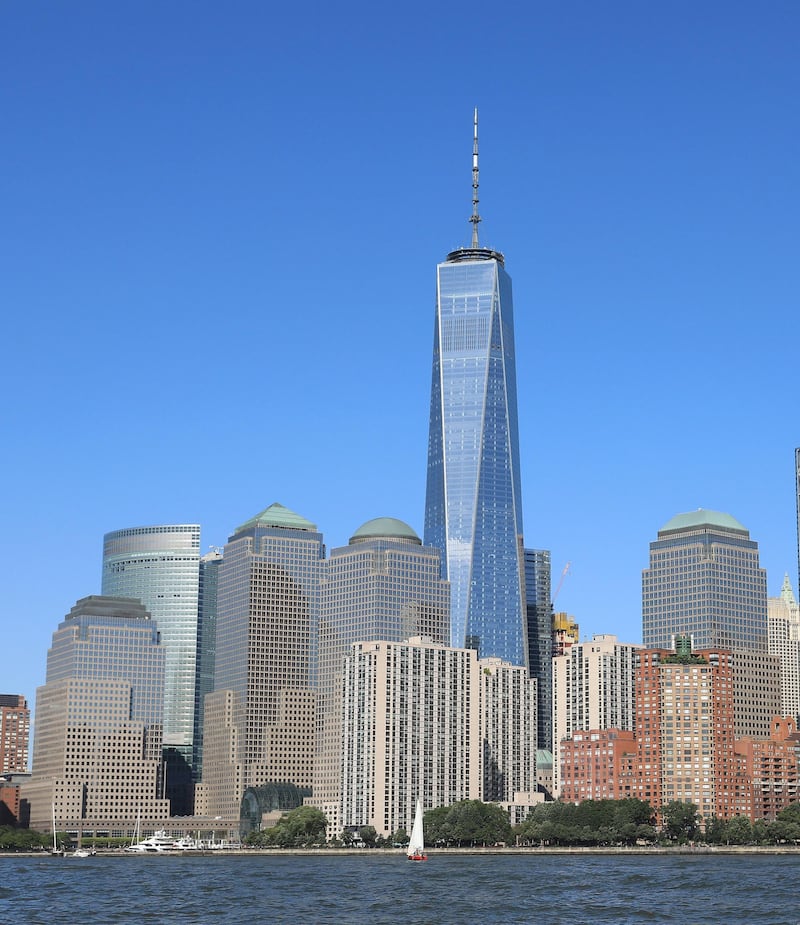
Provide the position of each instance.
(475, 218)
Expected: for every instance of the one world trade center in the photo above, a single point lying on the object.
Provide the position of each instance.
(473, 504)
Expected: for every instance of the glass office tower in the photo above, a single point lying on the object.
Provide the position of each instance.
(160, 566)
(206, 648)
(539, 615)
(473, 505)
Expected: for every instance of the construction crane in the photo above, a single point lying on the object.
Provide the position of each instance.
(564, 573)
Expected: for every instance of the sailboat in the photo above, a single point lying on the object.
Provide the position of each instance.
(416, 844)
(55, 851)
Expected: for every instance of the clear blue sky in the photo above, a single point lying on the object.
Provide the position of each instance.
(220, 225)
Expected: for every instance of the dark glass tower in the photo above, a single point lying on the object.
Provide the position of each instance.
(473, 505)
(539, 616)
(206, 649)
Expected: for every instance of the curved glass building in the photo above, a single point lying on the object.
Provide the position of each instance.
(160, 566)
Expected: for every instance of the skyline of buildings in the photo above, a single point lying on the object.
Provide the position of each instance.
(334, 674)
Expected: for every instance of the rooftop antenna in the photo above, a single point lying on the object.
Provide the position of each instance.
(475, 218)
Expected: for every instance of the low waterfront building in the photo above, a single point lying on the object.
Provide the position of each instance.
(600, 764)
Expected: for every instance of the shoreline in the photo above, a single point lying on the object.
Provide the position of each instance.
(685, 850)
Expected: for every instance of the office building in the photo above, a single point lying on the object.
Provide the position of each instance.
(593, 684)
(206, 649)
(160, 566)
(684, 728)
(539, 617)
(756, 692)
(705, 580)
(473, 504)
(783, 616)
(411, 731)
(98, 731)
(259, 723)
(383, 585)
(15, 727)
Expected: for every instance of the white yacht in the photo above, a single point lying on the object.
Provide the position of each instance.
(158, 843)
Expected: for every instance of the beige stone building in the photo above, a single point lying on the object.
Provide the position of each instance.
(259, 722)
(508, 707)
(98, 732)
(383, 585)
(783, 625)
(411, 731)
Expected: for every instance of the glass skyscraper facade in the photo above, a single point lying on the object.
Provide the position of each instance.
(539, 614)
(473, 505)
(160, 566)
(206, 648)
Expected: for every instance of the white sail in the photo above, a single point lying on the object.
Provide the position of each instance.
(416, 844)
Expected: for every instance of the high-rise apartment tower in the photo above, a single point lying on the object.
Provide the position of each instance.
(15, 725)
(383, 585)
(473, 504)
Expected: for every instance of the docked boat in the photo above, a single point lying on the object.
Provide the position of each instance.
(82, 853)
(416, 844)
(157, 843)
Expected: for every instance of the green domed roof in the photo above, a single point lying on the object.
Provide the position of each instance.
(385, 528)
(276, 515)
(702, 518)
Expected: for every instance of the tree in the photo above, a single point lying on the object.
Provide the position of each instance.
(13, 839)
(301, 827)
(716, 831)
(368, 835)
(680, 820)
(739, 831)
(434, 821)
(472, 822)
(400, 837)
(786, 826)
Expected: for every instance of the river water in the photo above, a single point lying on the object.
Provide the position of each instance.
(380, 889)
